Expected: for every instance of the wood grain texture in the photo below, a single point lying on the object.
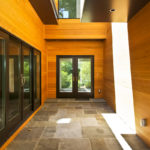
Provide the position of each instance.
(19, 18)
(75, 47)
(74, 29)
(139, 38)
(109, 89)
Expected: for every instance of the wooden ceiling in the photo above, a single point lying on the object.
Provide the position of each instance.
(46, 10)
(99, 10)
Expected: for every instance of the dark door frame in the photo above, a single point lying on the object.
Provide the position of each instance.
(74, 93)
(35, 104)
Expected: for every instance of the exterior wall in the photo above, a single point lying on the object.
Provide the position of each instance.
(139, 38)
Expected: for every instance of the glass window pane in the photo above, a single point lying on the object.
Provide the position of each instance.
(84, 75)
(2, 76)
(65, 75)
(14, 78)
(27, 75)
(37, 76)
(69, 9)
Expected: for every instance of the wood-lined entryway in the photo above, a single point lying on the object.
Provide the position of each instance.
(75, 47)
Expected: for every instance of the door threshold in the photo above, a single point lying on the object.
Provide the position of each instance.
(82, 99)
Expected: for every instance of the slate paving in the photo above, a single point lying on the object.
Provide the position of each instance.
(67, 125)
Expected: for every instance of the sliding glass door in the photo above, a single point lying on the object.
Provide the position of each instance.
(14, 90)
(20, 83)
(75, 76)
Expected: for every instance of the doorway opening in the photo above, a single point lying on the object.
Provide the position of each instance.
(75, 76)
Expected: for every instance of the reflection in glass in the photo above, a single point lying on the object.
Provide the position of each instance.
(65, 75)
(27, 75)
(37, 76)
(14, 78)
(84, 75)
(69, 9)
(2, 98)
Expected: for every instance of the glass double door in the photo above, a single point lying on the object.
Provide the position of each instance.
(75, 76)
(15, 83)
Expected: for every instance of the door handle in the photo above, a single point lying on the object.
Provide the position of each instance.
(22, 80)
(74, 78)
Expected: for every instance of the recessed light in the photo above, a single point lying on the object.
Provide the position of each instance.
(112, 10)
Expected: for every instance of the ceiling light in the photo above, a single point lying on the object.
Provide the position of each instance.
(112, 10)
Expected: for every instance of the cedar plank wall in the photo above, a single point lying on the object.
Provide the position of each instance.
(73, 29)
(19, 18)
(109, 89)
(70, 37)
(75, 47)
(139, 38)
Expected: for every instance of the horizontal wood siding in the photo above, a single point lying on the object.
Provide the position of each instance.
(75, 47)
(139, 37)
(74, 29)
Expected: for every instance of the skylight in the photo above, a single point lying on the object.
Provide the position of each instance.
(69, 9)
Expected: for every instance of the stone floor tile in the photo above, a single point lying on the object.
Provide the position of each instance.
(49, 132)
(98, 144)
(21, 146)
(29, 134)
(46, 113)
(105, 144)
(48, 129)
(88, 122)
(48, 144)
(72, 130)
(96, 132)
(37, 124)
(41, 118)
(90, 111)
(75, 144)
(112, 142)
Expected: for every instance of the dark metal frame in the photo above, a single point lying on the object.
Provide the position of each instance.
(74, 93)
(27, 110)
(9, 130)
(36, 105)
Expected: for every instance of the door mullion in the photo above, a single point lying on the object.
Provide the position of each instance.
(75, 76)
(21, 73)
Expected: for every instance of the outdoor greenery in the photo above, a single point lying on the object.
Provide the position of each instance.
(84, 74)
(26, 73)
(67, 5)
(66, 73)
